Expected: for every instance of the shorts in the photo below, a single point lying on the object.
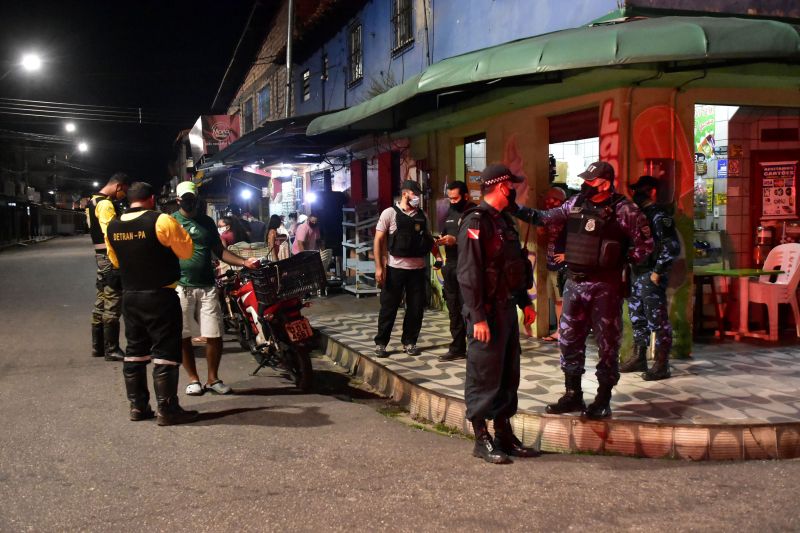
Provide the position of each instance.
(200, 305)
(553, 288)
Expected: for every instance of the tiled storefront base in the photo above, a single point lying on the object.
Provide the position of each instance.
(431, 392)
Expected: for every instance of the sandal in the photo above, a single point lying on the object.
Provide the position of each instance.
(550, 338)
(195, 388)
(218, 387)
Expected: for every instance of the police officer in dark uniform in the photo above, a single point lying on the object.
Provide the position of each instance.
(604, 231)
(101, 210)
(458, 195)
(494, 275)
(647, 304)
(146, 245)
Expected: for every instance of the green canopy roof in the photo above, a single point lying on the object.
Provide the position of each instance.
(670, 40)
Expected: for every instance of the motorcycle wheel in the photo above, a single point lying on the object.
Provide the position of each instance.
(298, 364)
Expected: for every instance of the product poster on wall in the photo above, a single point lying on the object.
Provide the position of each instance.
(778, 189)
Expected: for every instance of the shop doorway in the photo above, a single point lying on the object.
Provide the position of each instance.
(574, 143)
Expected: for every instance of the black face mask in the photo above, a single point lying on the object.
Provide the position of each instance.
(588, 191)
(512, 198)
(639, 198)
(459, 206)
(187, 204)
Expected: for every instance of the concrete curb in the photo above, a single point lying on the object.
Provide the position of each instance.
(572, 434)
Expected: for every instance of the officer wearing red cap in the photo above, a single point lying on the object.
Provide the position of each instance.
(605, 231)
(494, 276)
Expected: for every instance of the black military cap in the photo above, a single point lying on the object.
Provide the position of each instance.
(645, 182)
(413, 186)
(598, 169)
(496, 173)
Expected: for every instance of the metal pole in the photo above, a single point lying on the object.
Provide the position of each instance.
(289, 28)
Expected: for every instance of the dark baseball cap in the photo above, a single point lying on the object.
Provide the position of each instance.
(413, 186)
(598, 169)
(496, 173)
(645, 182)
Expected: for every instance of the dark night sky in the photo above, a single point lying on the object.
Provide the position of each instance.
(165, 56)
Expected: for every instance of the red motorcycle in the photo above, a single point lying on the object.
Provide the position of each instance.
(264, 307)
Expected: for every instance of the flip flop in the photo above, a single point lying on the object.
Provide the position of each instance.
(550, 338)
(195, 388)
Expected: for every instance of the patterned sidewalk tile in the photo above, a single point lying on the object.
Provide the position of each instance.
(724, 383)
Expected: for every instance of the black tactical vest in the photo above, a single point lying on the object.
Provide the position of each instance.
(412, 238)
(451, 223)
(144, 263)
(595, 240)
(506, 265)
(95, 230)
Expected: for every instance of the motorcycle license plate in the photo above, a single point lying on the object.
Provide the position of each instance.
(299, 330)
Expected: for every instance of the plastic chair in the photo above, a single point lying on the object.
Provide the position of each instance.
(780, 289)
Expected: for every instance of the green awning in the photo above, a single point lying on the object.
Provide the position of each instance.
(674, 41)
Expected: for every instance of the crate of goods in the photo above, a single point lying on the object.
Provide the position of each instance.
(288, 278)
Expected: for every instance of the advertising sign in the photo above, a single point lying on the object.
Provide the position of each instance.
(722, 168)
(704, 130)
(778, 189)
(212, 134)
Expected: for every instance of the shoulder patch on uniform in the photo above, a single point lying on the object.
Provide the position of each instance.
(473, 233)
(667, 222)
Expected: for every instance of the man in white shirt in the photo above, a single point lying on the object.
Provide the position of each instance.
(401, 247)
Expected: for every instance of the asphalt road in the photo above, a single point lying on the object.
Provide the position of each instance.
(269, 459)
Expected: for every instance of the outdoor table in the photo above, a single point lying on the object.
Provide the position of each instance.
(743, 274)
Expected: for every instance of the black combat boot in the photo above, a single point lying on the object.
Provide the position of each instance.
(138, 394)
(572, 400)
(637, 362)
(111, 338)
(507, 442)
(165, 383)
(98, 347)
(484, 447)
(601, 406)
(660, 369)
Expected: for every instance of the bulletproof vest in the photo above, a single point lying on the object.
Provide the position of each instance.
(411, 239)
(595, 240)
(451, 224)
(95, 230)
(144, 263)
(651, 211)
(506, 266)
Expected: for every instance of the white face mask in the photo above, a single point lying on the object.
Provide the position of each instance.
(414, 202)
(222, 229)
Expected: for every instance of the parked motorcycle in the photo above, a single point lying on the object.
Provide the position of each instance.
(264, 307)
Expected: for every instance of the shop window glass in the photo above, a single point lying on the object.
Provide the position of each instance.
(401, 24)
(474, 163)
(355, 63)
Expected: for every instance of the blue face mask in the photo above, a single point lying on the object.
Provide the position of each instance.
(414, 202)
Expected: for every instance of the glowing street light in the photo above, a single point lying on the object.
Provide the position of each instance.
(246, 194)
(311, 197)
(95, 184)
(31, 62)
(70, 127)
(83, 147)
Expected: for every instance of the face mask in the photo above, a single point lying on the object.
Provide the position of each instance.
(312, 224)
(414, 202)
(460, 205)
(512, 196)
(588, 190)
(187, 204)
(639, 198)
(223, 229)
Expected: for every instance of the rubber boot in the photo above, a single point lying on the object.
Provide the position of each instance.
(484, 447)
(111, 338)
(637, 362)
(98, 347)
(507, 442)
(165, 383)
(601, 406)
(572, 400)
(138, 395)
(660, 369)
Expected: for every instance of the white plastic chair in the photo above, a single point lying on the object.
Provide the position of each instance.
(783, 290)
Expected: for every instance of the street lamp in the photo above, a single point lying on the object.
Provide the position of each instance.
(95, 184)
(28, 63)
(70, 127)
(83, 147)
(246, 194)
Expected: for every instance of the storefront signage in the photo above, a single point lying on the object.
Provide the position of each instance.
(734, 167)
(213, 133)
(709, 196)
(722, 168)
(609, 136)
(778, 189)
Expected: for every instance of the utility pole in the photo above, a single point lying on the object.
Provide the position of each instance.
(289, 29)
